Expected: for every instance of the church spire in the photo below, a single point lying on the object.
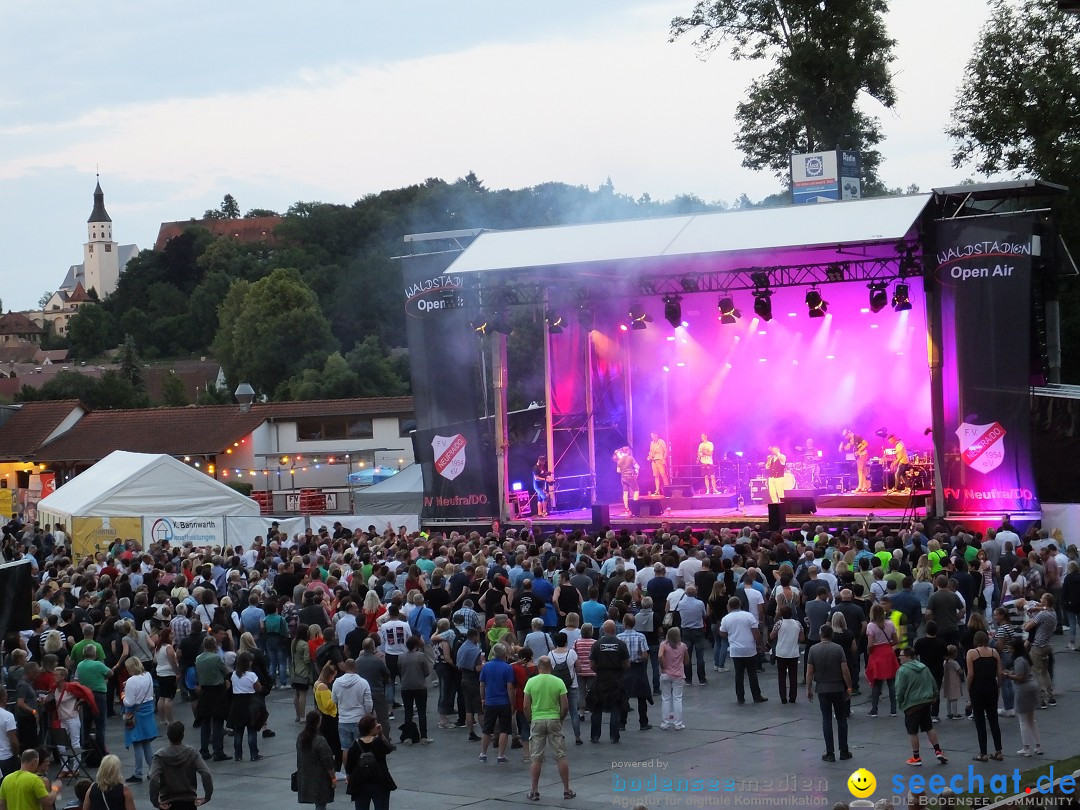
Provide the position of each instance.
(99, 214)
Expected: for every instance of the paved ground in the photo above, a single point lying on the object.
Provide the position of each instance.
(768, 752)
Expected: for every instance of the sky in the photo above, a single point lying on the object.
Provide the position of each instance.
(282, 102)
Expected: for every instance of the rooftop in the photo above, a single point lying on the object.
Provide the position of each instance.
(31, 424)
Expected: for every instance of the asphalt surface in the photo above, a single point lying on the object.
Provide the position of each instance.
(728, 756)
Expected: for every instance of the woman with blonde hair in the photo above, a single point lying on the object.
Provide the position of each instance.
(140, 727)
(324, 702)
(302, 671)
(372, 610)
(881, 664)
(109, 791)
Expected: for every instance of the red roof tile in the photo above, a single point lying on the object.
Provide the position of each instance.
(31, 425)
(195, 430)
(250, 230)
(190, 430)
(15, 323)
(357, 406)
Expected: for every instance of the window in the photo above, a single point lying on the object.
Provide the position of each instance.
(324, 428)
(361, 429)
(108, 247)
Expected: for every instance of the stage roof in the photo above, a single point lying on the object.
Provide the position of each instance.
(750, 231)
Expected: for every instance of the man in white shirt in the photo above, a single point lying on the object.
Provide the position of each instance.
(346, 620)
(9, 743)
(645, 574)
(393, 637)
(741, 630)
(755, 601)
(688, 567)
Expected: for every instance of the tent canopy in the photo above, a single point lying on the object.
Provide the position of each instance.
(401, 494)
(748, 235)
(133, 484)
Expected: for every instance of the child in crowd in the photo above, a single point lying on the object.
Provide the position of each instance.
(952, 686)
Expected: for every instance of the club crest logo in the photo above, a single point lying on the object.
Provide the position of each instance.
(982, 447)
(449, 455)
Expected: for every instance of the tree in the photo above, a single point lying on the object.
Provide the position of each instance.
(1018, 112)
(260, 212)
(270, 330)
(130, 365)
(1018, 108)
(823, 55)
(90, 331)
(113, 390)
(229, 209)
(173, 391)
(44, 300)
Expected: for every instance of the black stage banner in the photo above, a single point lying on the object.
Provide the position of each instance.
(984, 273)
(16, 596)
(453, 443)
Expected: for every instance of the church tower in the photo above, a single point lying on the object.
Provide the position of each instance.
(101, 259)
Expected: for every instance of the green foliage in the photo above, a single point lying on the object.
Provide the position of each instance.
(229, 209)
(260, 212)
(823, 55)
(44, 300)
(173, 391)
(1018, 112)
(111, 390)
(243, 487)
(91, 331)
(271, 329)
(130, 364)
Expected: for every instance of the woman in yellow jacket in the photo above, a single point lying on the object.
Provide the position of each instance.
(324, 702)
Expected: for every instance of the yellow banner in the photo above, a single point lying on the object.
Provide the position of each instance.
(92, 534)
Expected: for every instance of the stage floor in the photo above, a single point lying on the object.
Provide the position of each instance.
(833, 510)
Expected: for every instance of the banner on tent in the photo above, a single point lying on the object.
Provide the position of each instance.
(92, 534)
(242, 531)
(199, 531)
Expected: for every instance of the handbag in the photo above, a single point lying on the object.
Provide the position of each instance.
(129, 721)
(673, 617)
(294, 781)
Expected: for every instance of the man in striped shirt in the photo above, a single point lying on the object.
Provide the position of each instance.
(636, 680)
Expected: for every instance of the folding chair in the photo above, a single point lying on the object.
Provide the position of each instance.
(71, 759)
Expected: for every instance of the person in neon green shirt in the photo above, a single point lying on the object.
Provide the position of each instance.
(546, 706)
(25, 789)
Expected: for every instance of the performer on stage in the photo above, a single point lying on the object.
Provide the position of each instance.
(900, 464)
(628, 470)
(853, 443)
(541, 485)
(658, 452)
(708, 468)
(775, 468)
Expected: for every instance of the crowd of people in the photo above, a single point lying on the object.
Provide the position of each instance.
(517, 632)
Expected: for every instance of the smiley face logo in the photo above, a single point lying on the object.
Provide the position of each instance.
(861, 783)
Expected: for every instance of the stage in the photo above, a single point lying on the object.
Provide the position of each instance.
(876, 509)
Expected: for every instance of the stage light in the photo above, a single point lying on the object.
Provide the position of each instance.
(835, 272)
(900, 300)
(816, 305)
(673, 310)
(728, 313)
(763, 304)
(480, 326)
(879, 296)
(555, 323)
(689, 284)
(516, 486)
(760, 279)
(639, 318)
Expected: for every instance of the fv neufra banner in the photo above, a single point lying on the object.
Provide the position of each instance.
(199, 531)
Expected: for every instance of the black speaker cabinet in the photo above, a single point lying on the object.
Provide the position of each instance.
(601, 515)
(647, 506)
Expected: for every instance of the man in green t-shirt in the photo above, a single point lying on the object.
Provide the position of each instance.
(87, 641)
(546, 706)
(91, 673)
(24, 789)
